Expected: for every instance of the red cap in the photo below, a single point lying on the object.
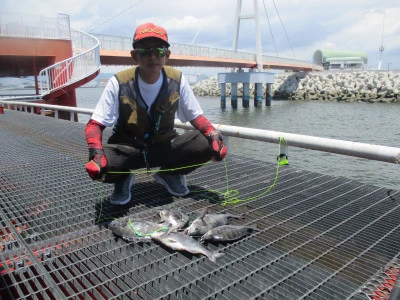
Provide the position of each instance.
(150, 30)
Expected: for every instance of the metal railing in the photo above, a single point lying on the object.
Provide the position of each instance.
(85, 62)
(355, 149)
(31, 26)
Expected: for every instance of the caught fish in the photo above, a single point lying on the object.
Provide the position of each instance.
(181, 242)
(132, 229)
(227, 233)
(205, 222)
(176, 219)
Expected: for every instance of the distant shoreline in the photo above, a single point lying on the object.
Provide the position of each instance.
(349, 86)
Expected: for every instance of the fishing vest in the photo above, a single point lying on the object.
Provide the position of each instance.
(134, 125)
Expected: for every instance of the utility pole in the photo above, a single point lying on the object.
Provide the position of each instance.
(381, 48)
(254, 16)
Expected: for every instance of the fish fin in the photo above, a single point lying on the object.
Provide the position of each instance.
(172, 240)
(203, 213)
(134, 239)
(215, 256)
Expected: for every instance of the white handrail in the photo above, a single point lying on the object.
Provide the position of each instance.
(74, 69)
(31, 26)
(349, 148)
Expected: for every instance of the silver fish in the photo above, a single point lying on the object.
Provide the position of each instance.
(227, 233)
(182, 242)
(132, 229)
(176, 219)
(206, 222)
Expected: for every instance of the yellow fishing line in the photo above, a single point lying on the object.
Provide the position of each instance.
(156, 171)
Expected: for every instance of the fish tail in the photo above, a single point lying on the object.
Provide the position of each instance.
(216, 255)
(255, 228)
(172, 229)
(241, 216)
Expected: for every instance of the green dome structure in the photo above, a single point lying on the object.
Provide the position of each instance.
(341, 60)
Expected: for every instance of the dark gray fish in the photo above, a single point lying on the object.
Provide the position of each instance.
(175, 218)
(206, 222)
(181, 242)
(132, 229)
(227, 233)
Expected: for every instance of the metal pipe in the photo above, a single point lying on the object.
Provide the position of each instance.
(356, 149)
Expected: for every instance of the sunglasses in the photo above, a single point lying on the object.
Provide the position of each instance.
(146, 52)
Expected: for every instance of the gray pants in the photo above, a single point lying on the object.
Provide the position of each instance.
(187, 150)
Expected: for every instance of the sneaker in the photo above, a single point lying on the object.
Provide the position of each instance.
(122, 191)
(175, 184)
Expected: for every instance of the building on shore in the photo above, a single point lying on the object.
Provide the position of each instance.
(341, 60)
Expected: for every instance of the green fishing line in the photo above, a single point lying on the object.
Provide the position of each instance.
(228, 197)
(138, 233)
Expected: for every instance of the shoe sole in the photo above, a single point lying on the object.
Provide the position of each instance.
(121, 203)
(158, 179)
(130, 195)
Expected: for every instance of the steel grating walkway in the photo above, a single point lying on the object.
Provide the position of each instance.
(321, 237)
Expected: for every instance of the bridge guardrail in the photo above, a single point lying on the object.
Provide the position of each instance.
(85, 62)
(31, 26)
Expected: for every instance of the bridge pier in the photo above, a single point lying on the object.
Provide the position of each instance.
(246, 94)
(223, 95)
(234, 95)
(259, 78)
(258, 94)
(268, 96)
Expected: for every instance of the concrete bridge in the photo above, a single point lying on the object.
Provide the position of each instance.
(115, 50)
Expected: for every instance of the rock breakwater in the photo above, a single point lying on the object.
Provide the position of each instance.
(350, 86)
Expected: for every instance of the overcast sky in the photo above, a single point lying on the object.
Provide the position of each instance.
(298, 28)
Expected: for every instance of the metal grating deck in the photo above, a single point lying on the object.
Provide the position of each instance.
(322, 237)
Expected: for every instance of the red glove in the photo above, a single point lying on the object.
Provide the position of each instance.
(214, 137)
(96, 166)
(216, 143)
(97, 160)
